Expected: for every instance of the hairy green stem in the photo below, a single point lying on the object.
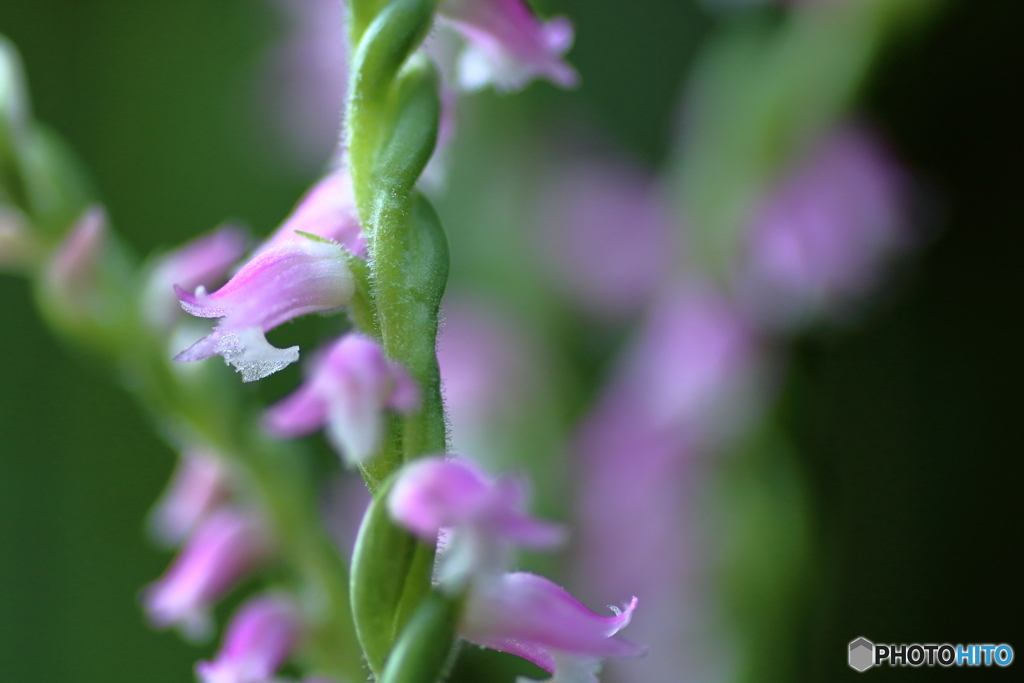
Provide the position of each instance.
(393, 119)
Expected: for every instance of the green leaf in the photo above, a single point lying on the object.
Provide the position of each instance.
(381, 562)
(426, 649)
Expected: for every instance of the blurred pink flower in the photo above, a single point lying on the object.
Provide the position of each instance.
(484, 518)
(696, 366)
(489, 372)
(224, 548)
(260, 638)
(199, 484)
(305, 80)
(529, 616)
(202, 262)
(347, 391)
(507, 45)
(693, 379)
(820, 239)
(604, 235)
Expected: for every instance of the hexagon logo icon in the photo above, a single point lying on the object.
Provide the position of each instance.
(862, 654)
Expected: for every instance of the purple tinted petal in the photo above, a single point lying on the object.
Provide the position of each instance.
(225, 547)
(302, 412)
(259, 639)
(605, 234)
(198, 485)
(431, 493)
(349, 388)
(819, 240)
(198, 303)
(72, 271)
(527, 608)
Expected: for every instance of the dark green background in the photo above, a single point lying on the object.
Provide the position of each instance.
(909, 425)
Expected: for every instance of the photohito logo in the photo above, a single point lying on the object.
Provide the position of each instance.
(863, 654)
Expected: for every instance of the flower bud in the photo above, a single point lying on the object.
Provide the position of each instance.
(73, 274)
(198, 486)
(261, 637)
(14, 106)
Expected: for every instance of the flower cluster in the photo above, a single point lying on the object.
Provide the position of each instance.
(482, 522)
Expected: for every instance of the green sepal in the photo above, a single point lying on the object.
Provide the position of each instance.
(427, 647)
(383, 556)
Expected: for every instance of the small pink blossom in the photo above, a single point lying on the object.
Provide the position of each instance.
(224, 548)
(281, 283)
(508, 46)
(260, 638)
(202, 262)
(198, 486)
(483, 517)
(531, 617)
(347, 391)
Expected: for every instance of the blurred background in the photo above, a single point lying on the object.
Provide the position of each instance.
(902, 419)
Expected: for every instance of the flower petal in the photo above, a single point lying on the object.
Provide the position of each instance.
(527, 608)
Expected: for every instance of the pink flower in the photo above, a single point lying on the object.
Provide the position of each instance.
(199, 485)
(693, 379)
(202, 262)
(520, 613)
(820, 239)
(224, 548)
(531, 617)
(507, 45)
(260, 638)
(348, 390)
(484, 517)
(277, 285)
(290, 275)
